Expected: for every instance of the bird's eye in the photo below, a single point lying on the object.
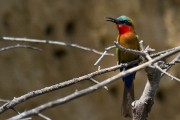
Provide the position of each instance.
(126, 22)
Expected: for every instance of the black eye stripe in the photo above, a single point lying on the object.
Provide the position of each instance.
(126, 22)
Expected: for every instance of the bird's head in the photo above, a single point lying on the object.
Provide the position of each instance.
(124, 23)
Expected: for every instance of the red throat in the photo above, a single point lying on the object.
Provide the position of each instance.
(124, 29)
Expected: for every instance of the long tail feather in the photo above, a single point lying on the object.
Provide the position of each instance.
(128, 95)
(128, 98)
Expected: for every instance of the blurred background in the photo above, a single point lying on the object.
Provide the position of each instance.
(82, 22)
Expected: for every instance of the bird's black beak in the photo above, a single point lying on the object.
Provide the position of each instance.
(114, 20)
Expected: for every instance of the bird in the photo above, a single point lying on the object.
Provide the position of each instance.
(127, 38)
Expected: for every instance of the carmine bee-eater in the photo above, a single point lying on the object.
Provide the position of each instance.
(127, 38)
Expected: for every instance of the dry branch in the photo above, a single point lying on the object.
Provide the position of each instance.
(36, 93)
(141, 107)
(51, 42)
(93, 88)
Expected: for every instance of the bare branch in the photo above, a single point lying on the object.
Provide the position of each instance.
(92, 88)
(32, 94)
(52, 43)
(37, 110)
(129, 50)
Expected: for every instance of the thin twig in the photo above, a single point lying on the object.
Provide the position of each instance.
(164, 72)
(104, 53)
(171, 64)
(14, 109)
(52, 43)
(19, 46)
(3, 100)
(29, 118)
(148, 49)
(95, 81)
(141, 44)
(43, 116)
(91, 89)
